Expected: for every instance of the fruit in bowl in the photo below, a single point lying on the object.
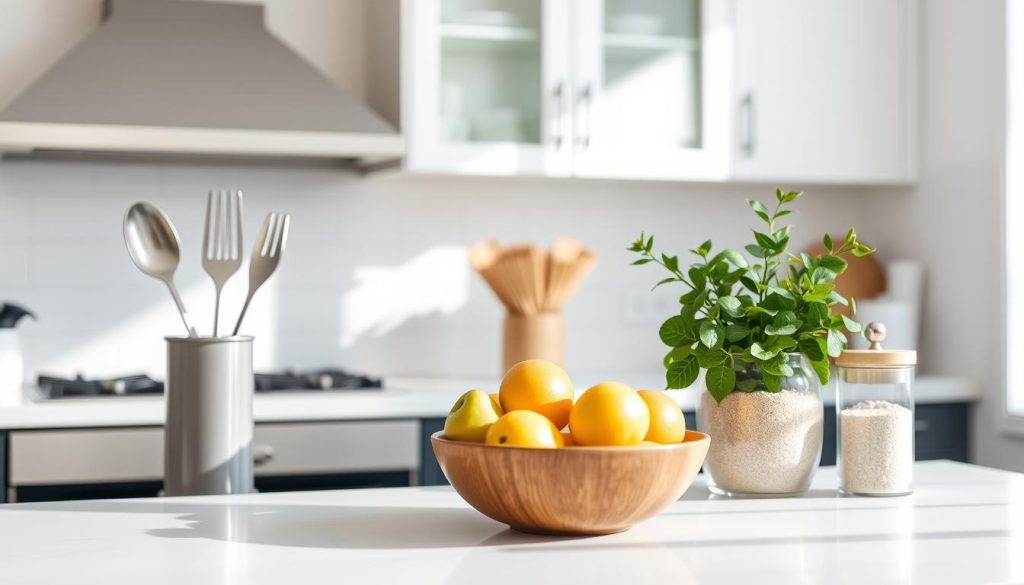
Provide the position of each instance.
(624, 456)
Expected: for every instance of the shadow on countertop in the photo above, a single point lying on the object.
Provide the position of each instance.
(314, 526)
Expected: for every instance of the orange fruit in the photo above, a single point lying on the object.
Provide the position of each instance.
(667, 422)
(648, 443)
(609, 413)
(524, 428)
(567, 439)
(540, 386)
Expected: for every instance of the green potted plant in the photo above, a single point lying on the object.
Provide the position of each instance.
(762, 330)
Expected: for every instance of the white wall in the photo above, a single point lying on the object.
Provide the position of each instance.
(384, 252)
(951, 218)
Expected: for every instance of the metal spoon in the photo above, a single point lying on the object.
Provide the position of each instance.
(153, 245)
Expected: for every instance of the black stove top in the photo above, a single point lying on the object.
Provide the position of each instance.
(330, 379)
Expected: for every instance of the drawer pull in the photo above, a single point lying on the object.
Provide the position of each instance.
(262, 454)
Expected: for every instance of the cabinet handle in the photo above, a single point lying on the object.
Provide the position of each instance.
(747, 124)
(262, 454)
(557, 96)
(585, 104)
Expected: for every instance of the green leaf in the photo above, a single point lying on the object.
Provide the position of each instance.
(835, 264)
(749, 283)
(851, 236)
(709, 358)
(812, 348)
(819, 292)
(778, 366)
(710, 334)
(851, 325)
(861, 250)
(704, 248)
(759, 209)
(765, 241)
(697, 277)
(731, 305)
(756, 251)
(720, 381)
(784, 323)
(763, 353)
(827, 240)
(734, 258)
(836, 343)
(790, 196)
(682, 374)
(676, 354)
(675, 332)
(853, 305)
(665, 281)
(735, 332)
(821, 368)
(671, 262)
(815, 314)
(641, 261)
(772, 382)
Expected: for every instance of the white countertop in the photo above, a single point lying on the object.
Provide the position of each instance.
(963, 524)
(402, 398)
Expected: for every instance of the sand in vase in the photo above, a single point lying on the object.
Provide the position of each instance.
(763, 442)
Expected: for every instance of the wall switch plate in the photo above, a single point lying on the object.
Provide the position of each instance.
(644, 307)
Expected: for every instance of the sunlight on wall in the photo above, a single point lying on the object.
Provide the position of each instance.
(433, 282)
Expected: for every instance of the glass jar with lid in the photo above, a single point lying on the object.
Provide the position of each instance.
(875, 418)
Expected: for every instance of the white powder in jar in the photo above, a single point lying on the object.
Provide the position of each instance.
(876, 448)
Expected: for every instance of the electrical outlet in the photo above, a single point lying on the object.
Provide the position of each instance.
(644, 307)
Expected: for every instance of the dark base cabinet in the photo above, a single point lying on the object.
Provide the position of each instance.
(430, 471)
(940, 433)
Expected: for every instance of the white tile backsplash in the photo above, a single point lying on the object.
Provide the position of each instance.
(374, 277)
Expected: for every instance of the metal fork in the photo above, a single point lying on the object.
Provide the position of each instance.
(222, 256)
(266, 253)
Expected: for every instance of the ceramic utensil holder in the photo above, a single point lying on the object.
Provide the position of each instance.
(209, 427)
(528, 337)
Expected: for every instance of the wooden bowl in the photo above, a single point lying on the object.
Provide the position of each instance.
(573, 490)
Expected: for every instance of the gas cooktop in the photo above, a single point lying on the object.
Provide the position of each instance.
(331, 379)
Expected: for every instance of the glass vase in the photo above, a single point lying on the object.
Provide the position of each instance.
(764, 443)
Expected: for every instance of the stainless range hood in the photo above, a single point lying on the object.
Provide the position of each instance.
(169, 77)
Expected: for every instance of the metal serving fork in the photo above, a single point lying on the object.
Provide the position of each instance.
(266, 253)
(222, 256)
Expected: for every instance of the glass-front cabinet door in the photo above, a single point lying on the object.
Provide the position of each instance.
(490, 92)
(652, 89)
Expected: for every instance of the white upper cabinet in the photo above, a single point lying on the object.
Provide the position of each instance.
(485, 86)
(648, 89)
(702, 90)
(825, 90)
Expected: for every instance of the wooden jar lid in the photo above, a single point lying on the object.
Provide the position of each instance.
(876, 357)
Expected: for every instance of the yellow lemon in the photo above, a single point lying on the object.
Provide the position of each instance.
(610, 413)
(540, 386)
(524, 428)
(667, 422)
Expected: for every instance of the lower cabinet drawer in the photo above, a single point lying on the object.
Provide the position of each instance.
(114, 455)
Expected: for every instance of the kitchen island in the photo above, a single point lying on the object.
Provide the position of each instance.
(963, 524)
